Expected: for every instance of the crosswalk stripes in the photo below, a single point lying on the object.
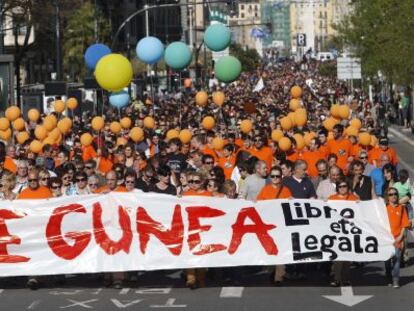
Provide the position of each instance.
(231, 292)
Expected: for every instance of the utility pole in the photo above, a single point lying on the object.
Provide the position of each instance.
(58, 47)
(1, 27)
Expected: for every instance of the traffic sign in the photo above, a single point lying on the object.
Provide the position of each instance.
(301, 39)
(349, 68)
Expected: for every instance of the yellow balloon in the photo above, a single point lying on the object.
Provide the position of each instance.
(344, 111)
(300, 142)
(72, 103)
(208, 123)
(172, 134)
(294, 104)
(64, 125)
(201, 98)
(113, 72)
(277, 135)
(126, 123)
(12, 113)
(296, 91)
(356, 123)
(335, 110)
(6, 135)
(291, 116)
(149, 122)
(54, 134)
(33, 115)
(308, 137)
(40, 132)
(36, 146)
(22, 137)
(59, 106)
(98, 123)
(284, 144)
(136, 134)
(185, 136)
(218, 143)
(364, 139)
(86, 139)
(219, 98)
(19, 124)
(300, 118)
(351, 131)
(50, 122)
(115, 127)
(4, 124)
(246, 126)
(120, 141)
(286, 123)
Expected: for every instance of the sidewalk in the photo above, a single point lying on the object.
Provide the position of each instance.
(402, 133)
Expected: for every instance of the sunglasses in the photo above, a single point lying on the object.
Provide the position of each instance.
(89, 167)
(33, 180)
(392, 194)
(129, 181)
(55, 187)
(80, 179)
(363, 158)
(93, 185)
(45, 178)
(66, 178)
(209, 163)
(275, 176)
(194, 181)
(257, 139)
(343, 186)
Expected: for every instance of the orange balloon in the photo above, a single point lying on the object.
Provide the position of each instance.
(294, 104)
(48, 141)
(136, 134)
(19, 124)
(22, 137)
(172, 134)
(356, 123)
(36, 146)
(351, 131)
(50, 122)
(188, 83)
(97, 123)
(300, 118)
(364, 139)
(148, 102)
(277, 135)
(4, 124)
(185, 136)
(374, 141)
(33, 115)
(330, 136)
(329, 123)
(246, 126)
(59, 106)
(86, 139)
(54, 134)
(121, 141)
(115, 127)
(201, 98)
(219, 98)
(286, 123)
(208, 123)
(284, 144)
(64, 125)
(72, 103)
(6, 135)
(335, 111)
(218, 143)
(149, 122)
(40, 132)
(308, 137)
(291, 116)
(300, 142)
(296, 91)
(12, 113)
(344, 111)
(126, 123)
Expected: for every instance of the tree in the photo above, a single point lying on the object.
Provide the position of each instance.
(380, 32)
(85, 26)
(249, 58)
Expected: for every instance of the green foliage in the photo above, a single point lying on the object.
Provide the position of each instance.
(249, 58)
(84, 27)
(328, 69)
(380, 31)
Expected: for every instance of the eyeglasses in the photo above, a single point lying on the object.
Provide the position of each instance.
(55, 187)
(275, 176)
(89, 167)
(194, 181)
(343, 186)
(66, 178)
(33, 180)
(209, 163)
(44, 178)
(129, 181)
(93, 185)
(363, 158)
(392, 194)
(80, 179)
(257, 139)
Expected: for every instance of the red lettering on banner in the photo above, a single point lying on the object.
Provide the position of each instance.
(259, 228)
(6, 238)
(195, 228)
(54, 233)
(104, 241)
(172, 238)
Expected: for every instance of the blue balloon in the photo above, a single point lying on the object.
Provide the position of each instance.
(178, 55)
(217, 37)
(94, 53)
(150, 50)
(119, 99)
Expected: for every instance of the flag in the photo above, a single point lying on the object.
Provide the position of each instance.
(259, 86)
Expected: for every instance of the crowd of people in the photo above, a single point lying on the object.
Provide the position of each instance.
(245, 164)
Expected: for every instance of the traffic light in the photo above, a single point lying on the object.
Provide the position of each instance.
(233, 7)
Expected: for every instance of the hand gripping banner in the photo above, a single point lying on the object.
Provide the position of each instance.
(135, 231)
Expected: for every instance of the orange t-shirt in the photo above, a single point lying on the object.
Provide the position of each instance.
(324, 150)
(204, 193)
(264, 154)
(207, 150)
(355, 150)
(269, 192)
(311, 158)
(105, 165)
(117, 189)
(398, 218)
(40, 193)
(239, 142)
(227, 165)
(375, 156)
(349, 197)
(10, 165)
(342, 149)
(88, 153)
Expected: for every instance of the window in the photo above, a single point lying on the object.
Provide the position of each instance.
(242, 15)
(242, 7)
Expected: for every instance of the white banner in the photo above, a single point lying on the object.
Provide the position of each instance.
(130, 231)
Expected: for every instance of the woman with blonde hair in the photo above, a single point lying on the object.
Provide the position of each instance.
(7, 184)
(44, 177)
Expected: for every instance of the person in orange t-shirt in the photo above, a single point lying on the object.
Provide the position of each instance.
(398, 219)
(196, 277)
(228, 161)
(111, 184)
(88, 152)
(341, 269)
(104, 161)
(34, 190)
(312, 156)
(383, 148)
(323, 140)
(274, 190)
(261, 151)
(340, 146)
(9, 162)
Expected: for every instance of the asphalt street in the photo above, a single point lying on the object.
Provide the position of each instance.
(166, 290)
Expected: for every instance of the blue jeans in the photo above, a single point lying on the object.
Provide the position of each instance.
(392, 266)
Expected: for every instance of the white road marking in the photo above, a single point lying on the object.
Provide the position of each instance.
(169, 304)
(347, 297)
(124, 291)
(83, 304)
(126, 304)
(97, 292)
(33, 305)
(58, 293)
(401, 136)
(231, 292)
(1, 290)
(152, 291)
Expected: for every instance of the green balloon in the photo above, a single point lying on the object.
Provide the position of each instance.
(227, 69)
(217, 37)
(177, 55)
